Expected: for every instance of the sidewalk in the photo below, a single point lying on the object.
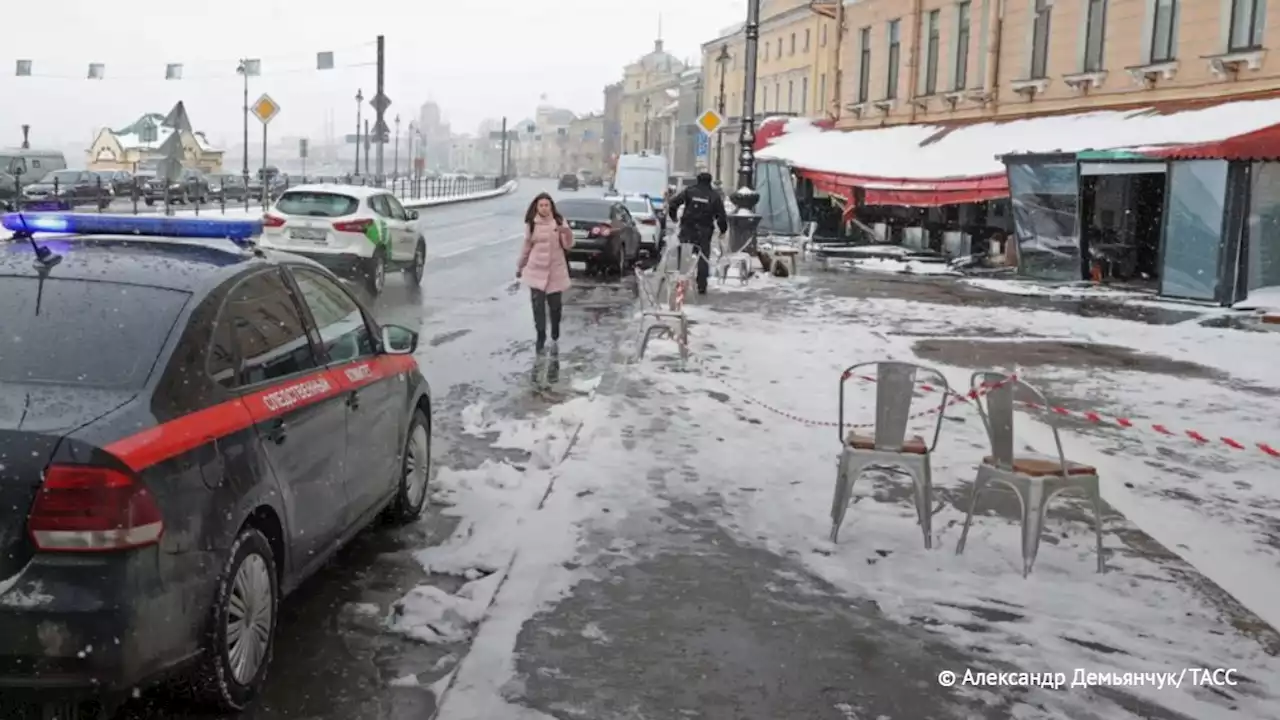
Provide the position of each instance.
(679, 564)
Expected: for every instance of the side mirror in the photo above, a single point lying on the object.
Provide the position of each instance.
(413, 214)
(397, 340)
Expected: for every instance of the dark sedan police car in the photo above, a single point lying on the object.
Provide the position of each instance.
(188, 429)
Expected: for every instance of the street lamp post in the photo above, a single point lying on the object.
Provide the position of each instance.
(395, 174)
(243, 69)
(723, 61)
(744, 221)
(413, 128)
(359, 107)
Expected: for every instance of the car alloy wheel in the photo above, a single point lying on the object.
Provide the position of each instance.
(250, 618)
(415, 475)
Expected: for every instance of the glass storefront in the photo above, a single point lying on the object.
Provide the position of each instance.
(1044, 197)
(1193, 229)
(778, 209)
(1263, 241)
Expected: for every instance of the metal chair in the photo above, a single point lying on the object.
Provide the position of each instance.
(889, 446)
(1034, 479)
(726, 261)
(678, 263)
(666, 323)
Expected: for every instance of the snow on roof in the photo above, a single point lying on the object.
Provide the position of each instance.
(134, 141)
(933, 152)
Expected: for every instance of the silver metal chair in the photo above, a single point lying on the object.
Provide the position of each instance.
(657, 322)
(889, 446)
(726, 261)
(1034, 479)
(679, 262)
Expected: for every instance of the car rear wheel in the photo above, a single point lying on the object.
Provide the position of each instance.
(415, 472)
(375, 273)
(241, 635)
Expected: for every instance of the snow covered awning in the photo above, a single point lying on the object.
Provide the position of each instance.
(929, 165)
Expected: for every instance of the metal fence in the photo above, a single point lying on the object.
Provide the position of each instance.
(138, 196)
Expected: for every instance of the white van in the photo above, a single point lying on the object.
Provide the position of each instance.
(642, 174)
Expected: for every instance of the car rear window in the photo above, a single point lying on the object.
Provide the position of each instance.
(639, 207)
(584, 210)
(79, 332)
(316, 204)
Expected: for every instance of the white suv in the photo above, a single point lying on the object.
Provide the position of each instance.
(357, 232)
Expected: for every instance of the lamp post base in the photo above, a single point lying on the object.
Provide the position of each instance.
(743, 221)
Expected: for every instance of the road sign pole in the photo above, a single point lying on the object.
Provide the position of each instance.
(381, 125)
(264, 165)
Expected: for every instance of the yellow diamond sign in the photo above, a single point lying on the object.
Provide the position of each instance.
(710, 121)
(265, 108)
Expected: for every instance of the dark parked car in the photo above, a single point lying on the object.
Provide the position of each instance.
(190, 432)
(568, 181)
(68, 189)
(120, 181)
(227, 187)
(190, 186)
(604, 234)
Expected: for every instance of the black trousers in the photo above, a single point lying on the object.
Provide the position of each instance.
(542, 301)
(702, 238)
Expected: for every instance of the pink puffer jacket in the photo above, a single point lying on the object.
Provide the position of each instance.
(543, 265)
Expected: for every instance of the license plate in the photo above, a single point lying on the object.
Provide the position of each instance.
(308, 234)
(579, 234)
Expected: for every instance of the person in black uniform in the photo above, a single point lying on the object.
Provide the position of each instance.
(703, 212)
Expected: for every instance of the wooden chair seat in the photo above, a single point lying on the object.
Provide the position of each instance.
(1042, 467)
(914, 445)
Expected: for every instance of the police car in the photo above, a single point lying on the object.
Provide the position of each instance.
(189, 426)
(357, 232)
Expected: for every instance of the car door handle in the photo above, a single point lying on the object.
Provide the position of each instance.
(278, 432)
(353, 401)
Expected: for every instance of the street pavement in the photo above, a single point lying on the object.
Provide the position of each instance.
(477, 345)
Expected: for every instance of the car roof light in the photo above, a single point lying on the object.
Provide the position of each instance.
(239, 232)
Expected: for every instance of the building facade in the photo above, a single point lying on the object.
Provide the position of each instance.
(797, 70)
(152, 138)
(585, 147)
(649, 86)
(986, 59)
(612, 124)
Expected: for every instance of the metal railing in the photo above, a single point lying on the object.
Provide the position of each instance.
(139, 197)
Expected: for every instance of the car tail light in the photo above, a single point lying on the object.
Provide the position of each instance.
(87, 508)
(354, 226)
(272, 221)
(601, 231)
(649, 221)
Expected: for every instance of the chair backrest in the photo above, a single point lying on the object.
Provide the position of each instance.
(994, 394)
(680, 259)
(896, 386)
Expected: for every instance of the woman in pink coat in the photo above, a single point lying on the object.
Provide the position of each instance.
(544, 267)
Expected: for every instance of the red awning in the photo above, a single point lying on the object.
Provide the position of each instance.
(913, 193)
(1263, 144)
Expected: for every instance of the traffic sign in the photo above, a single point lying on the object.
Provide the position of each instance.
(265, 108)
(380, 102)
(710, 122)
(704, 145)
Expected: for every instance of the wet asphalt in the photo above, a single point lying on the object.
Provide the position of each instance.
(333, 656)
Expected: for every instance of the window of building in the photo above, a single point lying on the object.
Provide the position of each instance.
(765, 58)
(1040, 39)
(764, 106)
(779, 47)
(1094, 36)
(791, 96)
(777, 97)
(1247, 24)
(962, 45)
(821, 100)
(895, 50)
(804, 96)
(806, 39)
(934, 30)
(792, 47)
(864, 64)
(1164, 24)
(822, 40)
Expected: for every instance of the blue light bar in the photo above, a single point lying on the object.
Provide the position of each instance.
(239, 232)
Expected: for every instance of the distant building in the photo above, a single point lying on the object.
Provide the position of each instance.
(645, 83)
(586, 144)
(612, 123)
(154, 137)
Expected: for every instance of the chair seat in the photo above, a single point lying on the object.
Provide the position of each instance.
(914, 445)
(1042, 467)
(788, 250)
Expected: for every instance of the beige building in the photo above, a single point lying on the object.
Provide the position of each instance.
(797, 69)
(151, 138)
(649, 86)
(585, 148)
(936, 61)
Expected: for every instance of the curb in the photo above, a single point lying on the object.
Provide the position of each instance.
(487, 195)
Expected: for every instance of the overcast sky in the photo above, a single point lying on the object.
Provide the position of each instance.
(476, 58)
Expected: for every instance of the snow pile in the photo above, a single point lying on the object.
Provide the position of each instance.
(1142, 615)
(432, 615)
(904, 267)
(1266, 299)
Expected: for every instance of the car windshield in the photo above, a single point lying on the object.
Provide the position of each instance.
(639, 207)
(79, 332)
(63, 176)
(584, 210)
(316, 204)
